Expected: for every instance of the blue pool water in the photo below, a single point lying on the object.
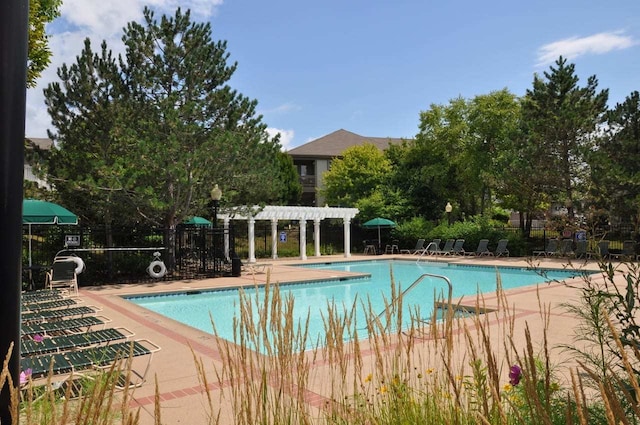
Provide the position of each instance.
(196, 309)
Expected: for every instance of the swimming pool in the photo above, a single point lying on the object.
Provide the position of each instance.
(197, 308)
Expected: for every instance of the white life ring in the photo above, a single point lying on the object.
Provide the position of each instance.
(157, 269)
(80, 264)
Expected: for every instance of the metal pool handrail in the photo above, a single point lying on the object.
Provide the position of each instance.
(414, 284)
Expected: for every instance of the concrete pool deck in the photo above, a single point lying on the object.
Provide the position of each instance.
(181, 393)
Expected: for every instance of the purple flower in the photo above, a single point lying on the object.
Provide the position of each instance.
(515, 373)
(24, 376)
(38, 338)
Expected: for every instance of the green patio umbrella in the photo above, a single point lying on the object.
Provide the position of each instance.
(35, 211)
(198, 221)
(380, 223)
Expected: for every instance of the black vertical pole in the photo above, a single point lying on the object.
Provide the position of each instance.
(14, 16)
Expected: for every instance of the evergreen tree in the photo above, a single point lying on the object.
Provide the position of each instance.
(560, 121)
(615, 165)
(288, 176)
(150, 134)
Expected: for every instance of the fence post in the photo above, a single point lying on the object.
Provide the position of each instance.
(14, 17)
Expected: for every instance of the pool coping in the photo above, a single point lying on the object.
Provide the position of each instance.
(180, 390)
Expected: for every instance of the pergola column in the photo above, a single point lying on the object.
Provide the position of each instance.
(274, 238)
(316, 236)
(347, 237)
(252, 242)
(303, 239)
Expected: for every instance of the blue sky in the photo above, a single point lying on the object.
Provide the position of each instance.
(371, 66)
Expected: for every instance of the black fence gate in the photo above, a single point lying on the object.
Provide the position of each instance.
(202, 251)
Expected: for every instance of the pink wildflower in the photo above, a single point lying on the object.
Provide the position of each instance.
(24, 376)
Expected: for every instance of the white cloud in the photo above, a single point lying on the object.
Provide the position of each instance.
(281, 109)
(573, 47)
(286, 136)
(97, 20)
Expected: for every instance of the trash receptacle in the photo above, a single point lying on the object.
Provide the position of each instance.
(236, 265)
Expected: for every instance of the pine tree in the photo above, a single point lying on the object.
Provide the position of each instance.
(145, 137)
(560, 121)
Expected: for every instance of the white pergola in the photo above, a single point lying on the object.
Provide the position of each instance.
(302, 214)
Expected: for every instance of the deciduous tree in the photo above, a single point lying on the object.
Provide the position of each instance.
(41, 12)
(361, 170)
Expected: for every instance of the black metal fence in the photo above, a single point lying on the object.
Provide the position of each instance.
(194, 252)
(125, 255)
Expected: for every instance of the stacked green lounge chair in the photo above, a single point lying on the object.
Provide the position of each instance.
(48, 315)
(29, 347)
(75, 325)
(88, 358)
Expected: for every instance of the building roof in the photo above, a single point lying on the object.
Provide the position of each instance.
(43, 143)
(334, 144)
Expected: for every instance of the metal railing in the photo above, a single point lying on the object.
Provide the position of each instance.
(413, 285)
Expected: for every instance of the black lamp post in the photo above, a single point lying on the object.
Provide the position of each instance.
(216, 194)
(448, 210)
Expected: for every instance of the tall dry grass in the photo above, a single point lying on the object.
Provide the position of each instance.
(80, 399)
(451, 369)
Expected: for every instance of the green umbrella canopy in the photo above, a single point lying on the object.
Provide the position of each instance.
(35, 211)
(379, 223)
(198, 221)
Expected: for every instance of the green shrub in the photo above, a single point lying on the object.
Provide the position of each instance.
(408, 232)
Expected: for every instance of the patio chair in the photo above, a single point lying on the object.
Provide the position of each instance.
(392, 248)
(549, 250)
(369, 247)
(30, 347)
(447, 248)
(416, 250)
(566, 248)
(458, 247)
(629, 249)
(603, 250)
(501, 249)
(483, 248)
(433, 247)
(62, 275)
(581, 249)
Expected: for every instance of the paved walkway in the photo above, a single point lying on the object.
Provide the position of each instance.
(182, 397)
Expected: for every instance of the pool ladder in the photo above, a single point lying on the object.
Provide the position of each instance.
(413, 285)
(427, 252)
